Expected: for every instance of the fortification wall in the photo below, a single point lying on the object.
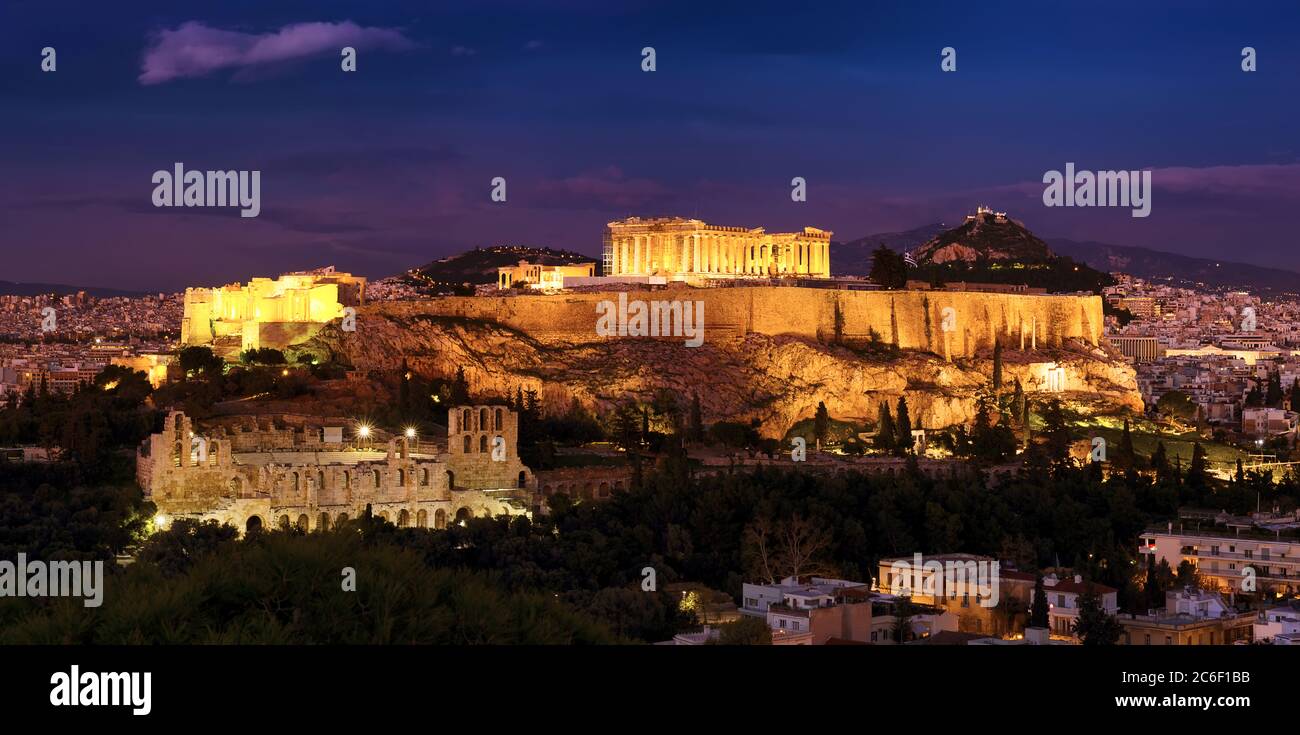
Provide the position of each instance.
(908, 319)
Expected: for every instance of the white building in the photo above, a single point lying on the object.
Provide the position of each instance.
(1063, 601)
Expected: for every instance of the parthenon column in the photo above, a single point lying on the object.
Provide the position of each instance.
(695, 256)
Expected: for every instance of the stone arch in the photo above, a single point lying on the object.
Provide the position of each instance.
(463, 514)
(303, 523)
(603, 490)
(340, 520)
(440, 518)
(469, 447)
(375, 478)
(451, 480)
(523, 479)
(320, 479)
(482, 444)
(236, 486)
(283, 523)
(424, 476)
(347, 480)
(323, 522)
(496, 423)
(587, 491)
(422, 519)
(403, 518)
(401, 478)
(482, 419)
(253, 524)
(464, 420)
(383, 514)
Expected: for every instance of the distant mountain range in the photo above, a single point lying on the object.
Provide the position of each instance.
(854, 258)
(1182, 269)
(9, 288)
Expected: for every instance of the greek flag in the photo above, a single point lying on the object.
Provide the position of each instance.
(907, 258)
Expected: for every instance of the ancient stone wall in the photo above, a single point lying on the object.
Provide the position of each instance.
(951, 324)
(186, 472)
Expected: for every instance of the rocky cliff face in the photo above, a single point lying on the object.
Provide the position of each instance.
(776, 379)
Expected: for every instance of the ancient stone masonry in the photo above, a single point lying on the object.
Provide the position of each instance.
(951, 324)
(268, 313)
(275, 476)
(690, 249)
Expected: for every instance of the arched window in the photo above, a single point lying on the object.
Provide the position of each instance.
(374, 476)
(401, 478)
(482, 444)
(424, 476)
(497, 420)
(236, 486)
(523, 479)
(347, 480)
(468, 447)
(297, 482)
(320, 480)
(482, 419)
(440, 518)
(422, 519)
(451, 480)
(464, 421)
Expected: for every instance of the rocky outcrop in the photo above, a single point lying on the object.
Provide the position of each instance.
(776, 379)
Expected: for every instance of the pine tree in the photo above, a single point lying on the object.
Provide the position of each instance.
(1094, 626)
(1295, 395)
(1273, 394)
(903, 430)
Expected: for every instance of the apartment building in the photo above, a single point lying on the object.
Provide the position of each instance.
(1191, 617)
(1223, 556)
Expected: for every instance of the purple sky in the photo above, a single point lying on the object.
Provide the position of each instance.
(389, 167)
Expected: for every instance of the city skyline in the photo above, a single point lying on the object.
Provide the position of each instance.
(390, 167)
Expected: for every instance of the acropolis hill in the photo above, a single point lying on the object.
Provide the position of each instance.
(770, 353)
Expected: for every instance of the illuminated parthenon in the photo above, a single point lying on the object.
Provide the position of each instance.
(684, 249)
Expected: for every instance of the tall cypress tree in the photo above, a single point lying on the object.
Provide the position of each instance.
(1038, 611)
(885, 438)
(997, 366)
(904, 428)
(1196, 473)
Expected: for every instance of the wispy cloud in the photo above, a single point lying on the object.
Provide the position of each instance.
(194, 49)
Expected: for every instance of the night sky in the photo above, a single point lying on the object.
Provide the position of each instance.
(389, 167)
